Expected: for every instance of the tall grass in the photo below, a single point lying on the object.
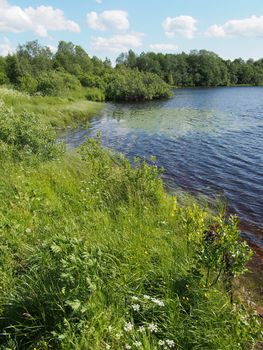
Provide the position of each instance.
(95, 255)
(57, 111)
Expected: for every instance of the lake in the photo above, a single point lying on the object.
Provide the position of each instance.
(208, 140)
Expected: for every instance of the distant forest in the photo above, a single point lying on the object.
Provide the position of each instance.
(198, 68)
(35, 70)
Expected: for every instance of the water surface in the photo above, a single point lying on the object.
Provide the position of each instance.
(209, 141)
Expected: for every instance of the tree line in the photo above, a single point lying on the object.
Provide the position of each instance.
(198, 68)
(34, 69)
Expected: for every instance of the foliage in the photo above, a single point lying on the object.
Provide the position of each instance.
(132, 85)
(28, 84)
(222, 253)
(3, 76)
(57, 83)
(61, 112)
(198, 68)
(91, 80)
(95, 94)
(95, 255)
(26, 135)
(34, 69)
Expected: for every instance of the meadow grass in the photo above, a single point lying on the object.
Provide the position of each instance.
(94, 254)
(60, 112)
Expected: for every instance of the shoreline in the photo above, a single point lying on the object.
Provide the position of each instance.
(214, 87)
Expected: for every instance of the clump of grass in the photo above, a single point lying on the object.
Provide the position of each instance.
(56, 111)
(96, 255)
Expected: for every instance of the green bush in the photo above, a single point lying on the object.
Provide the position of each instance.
(25, 134)
(95, 94)
(28, 84)
(3, 78)
(132, 85)
(56, 83)
(91, 80)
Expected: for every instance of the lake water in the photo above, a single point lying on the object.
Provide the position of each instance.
(209, 141)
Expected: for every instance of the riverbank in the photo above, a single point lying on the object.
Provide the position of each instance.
(173, 87)
(58, 111)
(95, 254)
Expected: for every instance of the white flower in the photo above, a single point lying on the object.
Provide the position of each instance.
(136, 307)
(137, 344)
(153, 328)
(108, 346)
(110, 328)
(134, 297)
(157, 302)
(161, 342)
(141, 329)
(127, 347)
(128, 326)
(147, 297)
(170, 343)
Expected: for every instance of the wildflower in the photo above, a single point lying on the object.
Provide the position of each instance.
(157, 302)
(134, 297)
(153, 328)
(170, 343)
(161, 342)
(137, 344)
(136, 307)
(147, 297)
(108, 346)
(141, 329)
(110, 328)
(28, 230)
(128, 326)
(128, 347)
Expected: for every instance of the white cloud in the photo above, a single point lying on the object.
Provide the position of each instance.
(117, 43)
(98, 1)
(40, 20)
(164, 47)
(247, 27)
(5, 47)
(114, 19)
(182, 25)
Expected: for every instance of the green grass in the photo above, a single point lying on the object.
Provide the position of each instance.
(59, 112)
(94, 254)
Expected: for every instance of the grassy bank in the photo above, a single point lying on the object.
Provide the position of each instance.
(57, 111)
(94, 254)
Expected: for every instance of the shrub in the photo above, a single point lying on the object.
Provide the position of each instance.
(25, 134)
(90, 80)
(3, 78)
(132, 85)
(57, 83)
(28, 84)
(95, 94)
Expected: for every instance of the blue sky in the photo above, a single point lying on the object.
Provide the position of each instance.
(232, 28)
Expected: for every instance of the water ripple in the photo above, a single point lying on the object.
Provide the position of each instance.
(208, 140)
